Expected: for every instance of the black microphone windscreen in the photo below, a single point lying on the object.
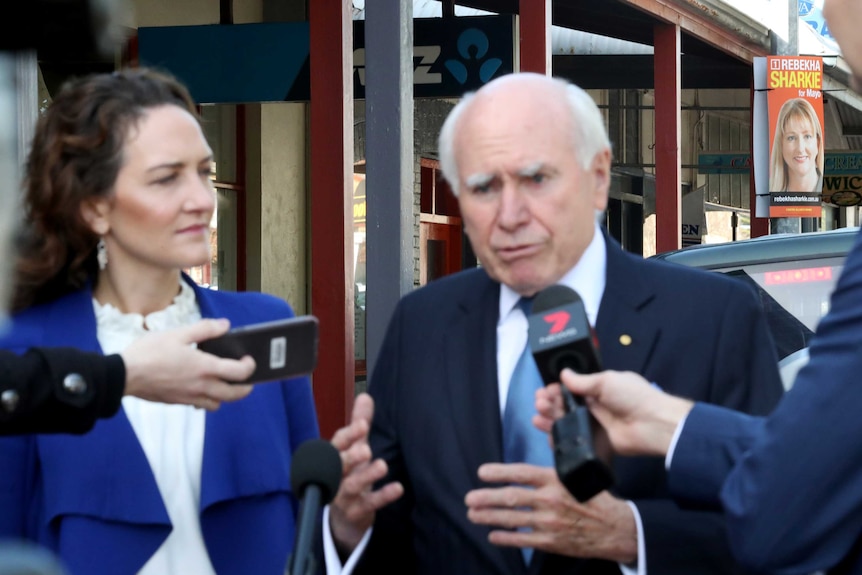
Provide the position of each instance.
(560, 334)
(554, 296)
(316, 462)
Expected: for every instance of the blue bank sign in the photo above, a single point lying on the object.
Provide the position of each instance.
(450, 56)
(269, 62)
(724, 163)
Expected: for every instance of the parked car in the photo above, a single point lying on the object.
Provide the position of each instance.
(794, 275)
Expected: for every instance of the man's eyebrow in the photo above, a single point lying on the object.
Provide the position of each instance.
(478, 180)
(531, 170)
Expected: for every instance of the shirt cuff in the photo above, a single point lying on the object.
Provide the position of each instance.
(673, 441)
(330, 554)
(641, 564)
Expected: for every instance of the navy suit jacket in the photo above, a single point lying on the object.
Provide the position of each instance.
(791, 484)
(93, 498)
(437, 415)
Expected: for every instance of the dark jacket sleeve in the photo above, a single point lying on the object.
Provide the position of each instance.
(58, 390)
(794, 500)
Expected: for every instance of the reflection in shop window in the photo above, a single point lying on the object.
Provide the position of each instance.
(220, 272)
(359, 274)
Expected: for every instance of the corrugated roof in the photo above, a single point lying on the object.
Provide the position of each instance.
(563, 40)
(851, 124)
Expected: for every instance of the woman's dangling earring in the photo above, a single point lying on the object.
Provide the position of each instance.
(102, 254)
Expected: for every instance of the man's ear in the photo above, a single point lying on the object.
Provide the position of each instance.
(95, 213)
(601, 170)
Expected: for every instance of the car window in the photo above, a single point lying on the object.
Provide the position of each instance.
(794, 295)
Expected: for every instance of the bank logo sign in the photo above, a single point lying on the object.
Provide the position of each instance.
(450, 56)
(811, 13)
(473, 47)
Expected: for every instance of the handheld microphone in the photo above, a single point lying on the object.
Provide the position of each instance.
(560, 336)
(315, 474)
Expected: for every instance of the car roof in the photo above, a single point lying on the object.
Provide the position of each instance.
(765, 249)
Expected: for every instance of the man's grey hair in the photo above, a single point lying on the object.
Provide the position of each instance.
(586, 121)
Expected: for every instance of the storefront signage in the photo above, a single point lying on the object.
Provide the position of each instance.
(450, 55)
(269, 62)
(723, 163)
(842, 179)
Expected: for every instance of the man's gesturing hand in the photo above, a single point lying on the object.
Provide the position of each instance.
(353, 510)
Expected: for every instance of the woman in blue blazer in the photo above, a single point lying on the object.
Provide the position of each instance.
(118, 202)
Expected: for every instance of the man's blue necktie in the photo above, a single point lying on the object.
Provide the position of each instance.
(522, 442)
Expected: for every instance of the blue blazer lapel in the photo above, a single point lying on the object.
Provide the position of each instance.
(75, 467)
(242, 455)
(625, 340)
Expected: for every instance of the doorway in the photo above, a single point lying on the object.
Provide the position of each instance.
(440, 235)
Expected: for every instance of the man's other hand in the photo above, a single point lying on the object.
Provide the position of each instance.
(355, 506)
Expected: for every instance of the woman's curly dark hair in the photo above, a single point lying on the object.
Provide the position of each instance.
(76, 155)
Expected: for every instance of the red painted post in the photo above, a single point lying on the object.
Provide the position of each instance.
(668, 162)
(534, 18)
(331, 164)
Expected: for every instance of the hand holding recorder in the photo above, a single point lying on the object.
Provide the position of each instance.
(281, 349)
(164, 367)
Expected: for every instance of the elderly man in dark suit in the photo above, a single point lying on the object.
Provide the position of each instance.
(790, 484)
(530, 161)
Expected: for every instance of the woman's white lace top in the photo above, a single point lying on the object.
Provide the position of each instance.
(171, 436)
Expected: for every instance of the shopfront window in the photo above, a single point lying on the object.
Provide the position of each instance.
(224, 130)
(359, 273)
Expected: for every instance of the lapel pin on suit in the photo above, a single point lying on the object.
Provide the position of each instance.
(625, 339)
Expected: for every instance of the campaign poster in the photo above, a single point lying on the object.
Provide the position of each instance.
(796, 156)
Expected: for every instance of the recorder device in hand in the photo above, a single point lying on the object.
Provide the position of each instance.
(281, 349)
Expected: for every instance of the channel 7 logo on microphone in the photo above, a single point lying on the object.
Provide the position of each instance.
(557, 326)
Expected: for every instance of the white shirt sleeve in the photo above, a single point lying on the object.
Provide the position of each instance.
(330, 554)
(641, 566)
(673, 441)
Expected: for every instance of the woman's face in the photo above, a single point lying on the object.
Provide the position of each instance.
(799, 146)
(159, 214)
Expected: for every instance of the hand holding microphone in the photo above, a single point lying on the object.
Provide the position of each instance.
(560, 336)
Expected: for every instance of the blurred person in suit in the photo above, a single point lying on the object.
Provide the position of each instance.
(790, 484)
(118, 202)
(529, 159)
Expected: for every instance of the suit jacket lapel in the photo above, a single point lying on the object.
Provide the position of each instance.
(473, 393)
(625, 341)
(471, 376)
(231, 467)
